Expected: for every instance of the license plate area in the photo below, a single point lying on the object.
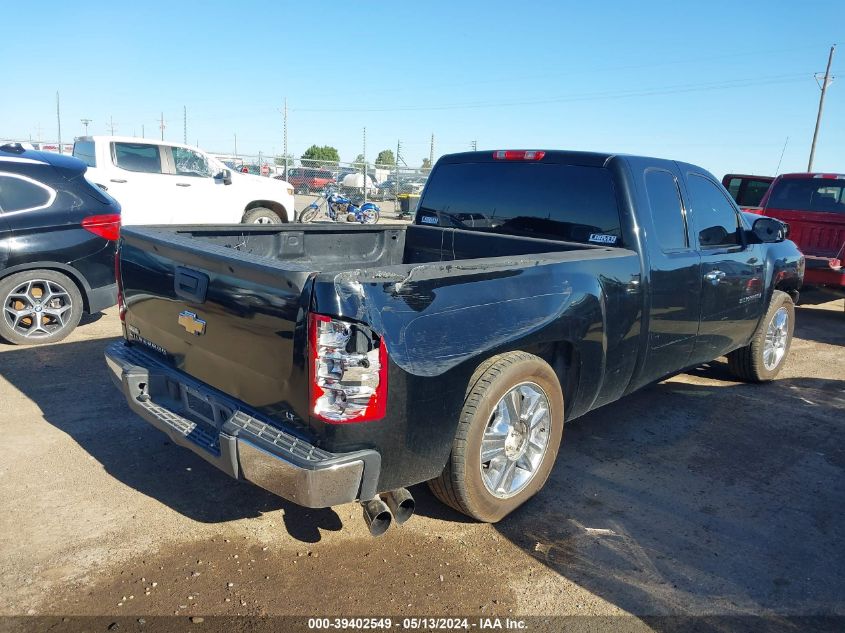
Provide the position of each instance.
(208, 417)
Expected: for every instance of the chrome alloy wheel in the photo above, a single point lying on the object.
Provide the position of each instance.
(515, 440)
(263, 219)
(37, 308)
(777, 338)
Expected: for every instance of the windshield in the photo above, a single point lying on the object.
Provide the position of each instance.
(825, 195)
(544, 200)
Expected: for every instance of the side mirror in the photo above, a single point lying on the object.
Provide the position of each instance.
(769, 230)
(225, 176)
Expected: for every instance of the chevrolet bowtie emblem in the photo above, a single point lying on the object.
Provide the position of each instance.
(192, 324)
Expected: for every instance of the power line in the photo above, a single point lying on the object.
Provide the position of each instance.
(675, 89)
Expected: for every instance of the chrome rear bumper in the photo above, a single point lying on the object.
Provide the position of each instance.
(237, 440)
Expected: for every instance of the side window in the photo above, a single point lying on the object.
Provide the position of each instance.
(667, 212)
(733, 187)
(84, 151)
(137, 157)
(190, 163)
(715, 218)
(18, 194)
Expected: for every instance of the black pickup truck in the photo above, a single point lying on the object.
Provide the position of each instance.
(332, 363)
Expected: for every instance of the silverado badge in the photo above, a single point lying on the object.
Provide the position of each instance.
(192, 323)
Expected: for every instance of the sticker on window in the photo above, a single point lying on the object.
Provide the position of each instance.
(429, 219)
(601, 238)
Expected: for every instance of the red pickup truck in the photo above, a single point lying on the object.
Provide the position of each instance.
(747, 190)
(814, 207)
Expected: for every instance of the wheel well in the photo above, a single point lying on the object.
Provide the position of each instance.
(564, 359)
(67, 272)
(277, 207)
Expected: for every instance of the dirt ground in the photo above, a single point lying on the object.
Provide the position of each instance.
(697, 496)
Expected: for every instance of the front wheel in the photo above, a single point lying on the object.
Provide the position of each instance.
(39, 306)
(763, 358)
(308, 214)
(507, 438)
(261, 215)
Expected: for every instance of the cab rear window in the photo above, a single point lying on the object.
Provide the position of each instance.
(544, 200)
(825, 195)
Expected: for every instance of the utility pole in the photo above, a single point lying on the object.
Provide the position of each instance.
(162, 126)
(827, 81)
(85, 122)
(111, 125)
(396, 179)
(142, 131)
(365, 164)
(431, 152)
(59, 120)
(285, 135)
(236, 145)
(474, 145)
(38, 132)
(184, 125)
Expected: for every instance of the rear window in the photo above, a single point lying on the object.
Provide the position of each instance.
(544, 200)
(137, 157)
(824, 195)
(748, 192)
(84, 151)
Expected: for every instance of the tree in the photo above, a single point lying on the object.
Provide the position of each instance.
(359, 159)
(324, 154)
(385, 157)
(280, 160)
(426, 164)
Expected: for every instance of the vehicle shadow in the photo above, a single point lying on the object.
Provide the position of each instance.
(822, 325)
(133, 451)
(695, 496)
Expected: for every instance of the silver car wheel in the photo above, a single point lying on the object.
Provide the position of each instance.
(37, 308)
(515, 440)
(777, 339)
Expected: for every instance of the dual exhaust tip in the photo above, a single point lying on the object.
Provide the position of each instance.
(379, 512)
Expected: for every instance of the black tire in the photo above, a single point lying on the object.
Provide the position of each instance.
(308, 214)
(460, 485)
(21, 306)
(261, 215)
(749, 363)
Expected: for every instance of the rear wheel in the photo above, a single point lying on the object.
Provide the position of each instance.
(507, 438)
(763, 358)
(39, 306)
(261, 215)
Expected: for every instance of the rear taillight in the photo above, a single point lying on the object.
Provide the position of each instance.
(512, 154)
(121, 306)
(348, 369)
(106, 225)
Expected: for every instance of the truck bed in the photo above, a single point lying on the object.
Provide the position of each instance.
(432, 294)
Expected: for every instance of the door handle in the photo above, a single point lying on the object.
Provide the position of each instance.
(117, 180)
(183, 184)
(715, 276)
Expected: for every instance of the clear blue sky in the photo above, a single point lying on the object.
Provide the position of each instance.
(721, 84)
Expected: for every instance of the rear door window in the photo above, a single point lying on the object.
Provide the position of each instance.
(544, 200)
(22, 194)
(141, 157)
(667, 211)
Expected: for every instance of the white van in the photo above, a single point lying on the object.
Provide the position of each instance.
(157, 182)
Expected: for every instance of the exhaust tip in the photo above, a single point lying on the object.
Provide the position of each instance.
(377, 516)
(401, 504)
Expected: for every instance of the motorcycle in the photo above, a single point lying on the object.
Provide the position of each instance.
(338, 207)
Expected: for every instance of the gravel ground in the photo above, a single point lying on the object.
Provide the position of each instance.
(698, 495)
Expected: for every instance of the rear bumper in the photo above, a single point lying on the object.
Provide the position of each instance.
(235, 439)
(101, 298)
(819, 272)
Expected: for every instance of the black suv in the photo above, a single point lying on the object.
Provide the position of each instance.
(58, 235)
